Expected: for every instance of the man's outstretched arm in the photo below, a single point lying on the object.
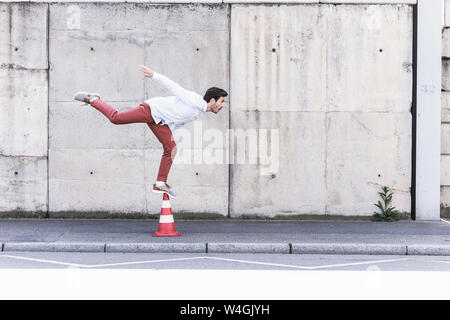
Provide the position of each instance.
(147, 71)
(187, 96)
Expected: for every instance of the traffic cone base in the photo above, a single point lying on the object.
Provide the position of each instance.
(166, 234)
(166, 224)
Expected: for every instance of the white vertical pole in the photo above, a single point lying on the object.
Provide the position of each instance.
(428, 120)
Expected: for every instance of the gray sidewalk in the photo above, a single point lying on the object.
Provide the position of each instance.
(214, 236)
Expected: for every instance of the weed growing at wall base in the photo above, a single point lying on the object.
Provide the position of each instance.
(387, 212)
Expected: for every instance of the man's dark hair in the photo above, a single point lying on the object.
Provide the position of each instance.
(214, 93)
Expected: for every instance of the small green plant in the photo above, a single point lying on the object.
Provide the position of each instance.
(387, 212)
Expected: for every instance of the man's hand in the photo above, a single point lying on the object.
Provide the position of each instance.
(147, 71)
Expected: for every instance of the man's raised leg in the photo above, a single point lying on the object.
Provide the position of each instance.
(140, 114)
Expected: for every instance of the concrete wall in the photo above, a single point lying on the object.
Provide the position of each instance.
(336, 81)
(96, 166)
(445, 115)
(331, 82)
(23, 107)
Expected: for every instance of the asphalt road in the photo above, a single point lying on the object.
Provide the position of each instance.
(201, 277)
(180, 261)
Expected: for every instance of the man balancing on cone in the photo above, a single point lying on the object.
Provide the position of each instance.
(163, 115)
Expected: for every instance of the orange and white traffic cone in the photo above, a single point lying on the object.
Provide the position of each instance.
(166, 224)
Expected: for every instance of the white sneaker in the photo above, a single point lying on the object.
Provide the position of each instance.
(85, 96)
(164, 189)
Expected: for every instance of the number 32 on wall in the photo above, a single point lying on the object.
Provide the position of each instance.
(428, 88)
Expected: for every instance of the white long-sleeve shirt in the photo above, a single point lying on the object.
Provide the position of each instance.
(175, 111)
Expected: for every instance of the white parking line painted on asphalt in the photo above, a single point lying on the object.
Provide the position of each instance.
(77, 265)
(440, 261)
(359, 263)
(141, 262)
(43, 260)
(257, 262)
(308, 267)
(97, 265)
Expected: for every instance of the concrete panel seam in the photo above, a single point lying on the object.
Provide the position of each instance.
(368, 2)
(239, 1)
(22, 156)
(309, 2)
(15, 66)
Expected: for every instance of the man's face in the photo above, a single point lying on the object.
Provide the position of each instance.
(215, 107)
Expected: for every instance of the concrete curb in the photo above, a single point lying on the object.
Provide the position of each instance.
(248, 248)
(53, 247)
(349, 248)
(279, 248)
(156, 247)
(430, 250)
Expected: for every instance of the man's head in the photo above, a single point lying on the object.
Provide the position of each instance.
(214, 97)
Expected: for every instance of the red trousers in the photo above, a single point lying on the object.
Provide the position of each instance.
(138, 115)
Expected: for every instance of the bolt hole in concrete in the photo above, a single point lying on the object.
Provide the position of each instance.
(198, 49)
(196, 173)
(16, 173)
(16, 49)
(92, 172)
(273, 50)
(92, 49)
(381, 50)
(379, 175)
